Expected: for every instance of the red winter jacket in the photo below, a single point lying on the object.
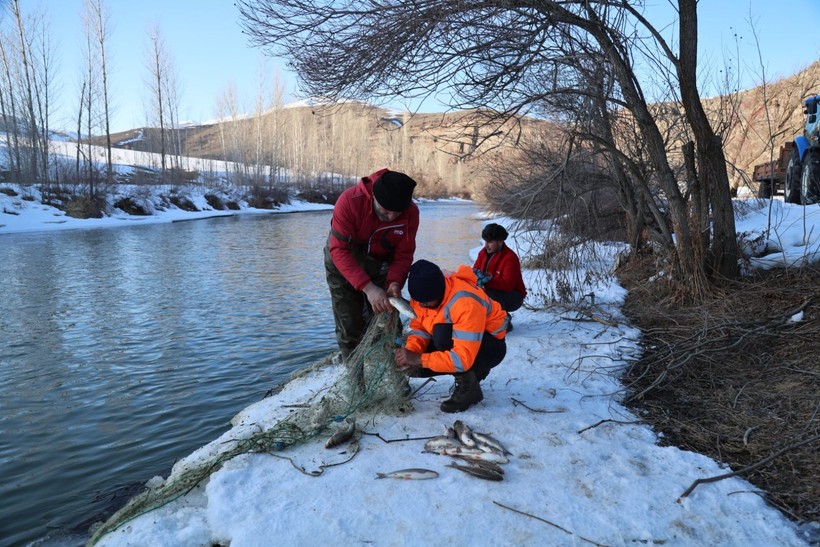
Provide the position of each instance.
(355, 226)
(505, 269)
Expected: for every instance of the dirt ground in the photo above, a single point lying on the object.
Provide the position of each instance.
(735, 378)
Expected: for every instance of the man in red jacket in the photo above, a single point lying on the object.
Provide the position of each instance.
(499, 271)
(369, 251)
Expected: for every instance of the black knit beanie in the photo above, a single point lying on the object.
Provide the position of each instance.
(493, 232)
(425, 282)
(394, 191)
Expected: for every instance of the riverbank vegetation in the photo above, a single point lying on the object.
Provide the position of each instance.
(735, 376)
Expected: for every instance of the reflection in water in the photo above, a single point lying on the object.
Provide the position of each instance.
(122, 350)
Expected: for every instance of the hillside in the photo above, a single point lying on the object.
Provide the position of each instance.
(351, 139)
(758, 121)
(449, 153)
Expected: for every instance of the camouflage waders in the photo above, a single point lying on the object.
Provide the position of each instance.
(351, 310)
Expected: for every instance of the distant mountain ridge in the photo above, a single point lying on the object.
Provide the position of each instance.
(351, 139)
(355, 139)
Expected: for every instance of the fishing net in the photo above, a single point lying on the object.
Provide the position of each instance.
(369, 383)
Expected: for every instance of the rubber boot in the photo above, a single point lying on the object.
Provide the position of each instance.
(467, 392)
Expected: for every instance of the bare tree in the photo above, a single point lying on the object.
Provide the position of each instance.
(28, 116)
(8, 103)
(91, 88)
(78, 167)
(156, 64)
(97, 15)
(507, 57)
(274, 130)
(228, 110)
(171, 92)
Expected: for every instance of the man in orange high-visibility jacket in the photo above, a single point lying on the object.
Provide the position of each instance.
(458, 330)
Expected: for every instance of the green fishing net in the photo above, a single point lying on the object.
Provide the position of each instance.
(368, 384)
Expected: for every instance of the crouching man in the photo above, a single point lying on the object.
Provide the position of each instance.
(458, 330)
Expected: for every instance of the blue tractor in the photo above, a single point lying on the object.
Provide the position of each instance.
(798, 167)
(803, 172)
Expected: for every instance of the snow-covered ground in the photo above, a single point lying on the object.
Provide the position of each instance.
(583, 469)
(29, 214)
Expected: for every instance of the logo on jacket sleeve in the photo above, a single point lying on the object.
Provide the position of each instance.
(399, 232)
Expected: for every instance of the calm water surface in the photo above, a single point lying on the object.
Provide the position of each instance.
(124, 349)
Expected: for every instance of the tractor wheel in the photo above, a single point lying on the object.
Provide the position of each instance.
(791, 186)
(810, 180)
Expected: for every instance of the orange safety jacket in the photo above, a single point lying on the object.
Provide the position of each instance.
(471, 313)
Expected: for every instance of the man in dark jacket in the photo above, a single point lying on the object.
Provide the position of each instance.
(369, 251)
(499, 271)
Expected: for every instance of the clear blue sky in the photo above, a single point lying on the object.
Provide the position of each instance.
(210, 53)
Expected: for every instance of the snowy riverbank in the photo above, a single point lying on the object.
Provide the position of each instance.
(583, 469)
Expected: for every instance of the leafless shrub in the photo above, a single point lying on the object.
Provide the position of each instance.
(131, 206)
(267, 197)
(735, 377)
(84, 207)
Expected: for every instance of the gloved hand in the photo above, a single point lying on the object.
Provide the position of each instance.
(481, 278)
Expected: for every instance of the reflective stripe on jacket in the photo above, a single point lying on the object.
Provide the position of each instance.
(355, 229)
(471, 313)
(505, 269)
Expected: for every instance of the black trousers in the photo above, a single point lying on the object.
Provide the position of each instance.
(509, 300)
(490, 354)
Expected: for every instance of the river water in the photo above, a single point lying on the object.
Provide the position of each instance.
(124, 349)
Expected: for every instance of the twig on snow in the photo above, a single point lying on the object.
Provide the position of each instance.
(544, 411)
(746, 469)
(605, 421)
(550, 523)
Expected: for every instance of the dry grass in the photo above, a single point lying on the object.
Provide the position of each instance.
(734, 378)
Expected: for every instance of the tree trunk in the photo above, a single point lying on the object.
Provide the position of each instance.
(28, 92)
(725, 253)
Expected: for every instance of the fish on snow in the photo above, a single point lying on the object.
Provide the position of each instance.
(464, 433)
(441, 442)
(413, 473)
(480, 472)
(487, 440)
(490, 466)
(474, 454)
(343, 434)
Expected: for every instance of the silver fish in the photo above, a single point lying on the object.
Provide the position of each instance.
(402, 306)
(414, 473)
(480, 472)
(439, 443)
(464, 433)
(475, 454)
(488, 440)
(459, 450)
(491, 466)
(343, 434)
